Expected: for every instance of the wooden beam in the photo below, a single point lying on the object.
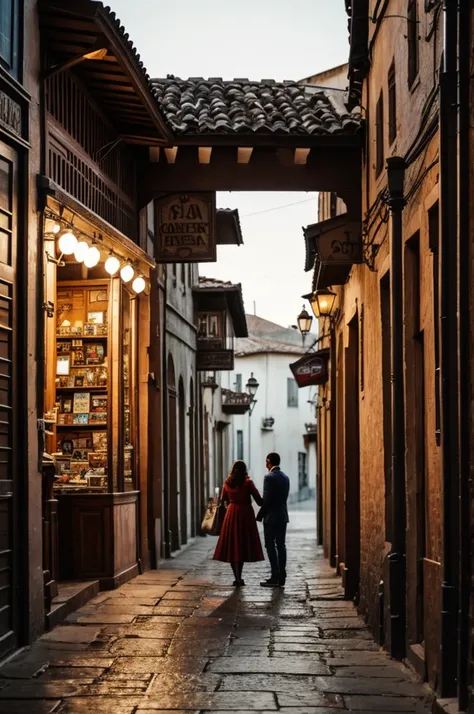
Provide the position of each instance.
(244, 154)
(171, 154)
(205, 153)
(326, 170)
(301, 156)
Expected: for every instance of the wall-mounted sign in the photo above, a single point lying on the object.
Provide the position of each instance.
(342, 246)
(186, 228)
(311, 369)
(221, 360)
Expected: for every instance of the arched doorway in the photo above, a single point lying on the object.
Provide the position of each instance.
(172, 458)
(183, 486)
(192, 461)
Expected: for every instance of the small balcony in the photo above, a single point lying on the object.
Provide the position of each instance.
(235, 402)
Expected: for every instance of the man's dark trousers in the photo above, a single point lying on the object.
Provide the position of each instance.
(274, 534)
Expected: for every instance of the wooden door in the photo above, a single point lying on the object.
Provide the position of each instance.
(9, 374)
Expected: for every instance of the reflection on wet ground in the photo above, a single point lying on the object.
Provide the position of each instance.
(182, 638)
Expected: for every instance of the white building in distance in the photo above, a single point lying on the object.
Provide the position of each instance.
(283, 417)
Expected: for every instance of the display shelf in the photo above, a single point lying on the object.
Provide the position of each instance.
(94, 388)
(67, 338)
(73, 427)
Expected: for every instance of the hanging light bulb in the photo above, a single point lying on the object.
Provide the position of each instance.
(81, 250)
(138, 284)
(52, 226)
(112, 264)
(92, 257)
(127, 273)
(67, 243)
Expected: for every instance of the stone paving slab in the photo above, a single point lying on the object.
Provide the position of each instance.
(262, 665)
(29, 707)
(182, 639)
(373, 703)
(224, 701)
(100, 705)
(270, 683)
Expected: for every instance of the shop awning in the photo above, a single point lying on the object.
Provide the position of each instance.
(73, 29)
(332, 246)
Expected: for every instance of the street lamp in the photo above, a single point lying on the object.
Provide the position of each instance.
(251, 387)
(304, 321)
(322, 303)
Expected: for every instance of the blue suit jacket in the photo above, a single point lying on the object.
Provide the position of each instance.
(276, 486)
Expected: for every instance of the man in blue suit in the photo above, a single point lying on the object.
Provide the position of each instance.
(274, 515)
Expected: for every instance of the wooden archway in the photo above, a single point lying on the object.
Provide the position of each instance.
(183, 480)
(172, 458)
(193, 495)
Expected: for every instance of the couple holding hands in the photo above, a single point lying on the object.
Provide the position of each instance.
(239, 541)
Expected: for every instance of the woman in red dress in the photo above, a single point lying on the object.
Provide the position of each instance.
(239, 541)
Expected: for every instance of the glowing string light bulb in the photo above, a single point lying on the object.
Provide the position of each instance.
(127, 273)
(92, 257)
(67, 243)
(138, 285)
(112, 264)
(81, 250)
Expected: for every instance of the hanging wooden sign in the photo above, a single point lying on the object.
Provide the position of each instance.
(311, 369)
(222, 360)
(186, 228)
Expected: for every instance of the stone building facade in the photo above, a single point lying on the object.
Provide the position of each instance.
(398, 343)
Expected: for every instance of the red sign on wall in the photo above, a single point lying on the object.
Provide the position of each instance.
(311, 369)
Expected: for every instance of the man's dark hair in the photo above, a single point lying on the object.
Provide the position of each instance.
(274, 458)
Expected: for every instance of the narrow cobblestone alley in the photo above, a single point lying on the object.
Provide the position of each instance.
(182, 638)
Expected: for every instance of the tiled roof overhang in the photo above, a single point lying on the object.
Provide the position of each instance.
(209, 292)
(251, 113)
(359, 61)
(228, 230)
(119, 82)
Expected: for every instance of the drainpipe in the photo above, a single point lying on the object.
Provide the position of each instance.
(397, 562)
(165, 430)
(465, 156)
(448, 353)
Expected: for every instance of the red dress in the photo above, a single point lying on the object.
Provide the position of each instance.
(239, 540)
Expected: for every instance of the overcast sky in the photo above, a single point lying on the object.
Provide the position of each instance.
(258, 39)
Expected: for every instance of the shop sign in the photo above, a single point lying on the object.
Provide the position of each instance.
(186, 228)
(209, 361)
(10, 114)
(340, 246)
(311, 369)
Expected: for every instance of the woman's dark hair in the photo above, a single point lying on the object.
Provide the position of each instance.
(237, 474)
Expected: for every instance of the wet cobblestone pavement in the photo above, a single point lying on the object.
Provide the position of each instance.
(183, 639)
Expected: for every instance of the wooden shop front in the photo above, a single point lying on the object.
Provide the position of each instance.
(95, 316)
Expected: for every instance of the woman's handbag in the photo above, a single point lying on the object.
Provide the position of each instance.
(213, 518)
